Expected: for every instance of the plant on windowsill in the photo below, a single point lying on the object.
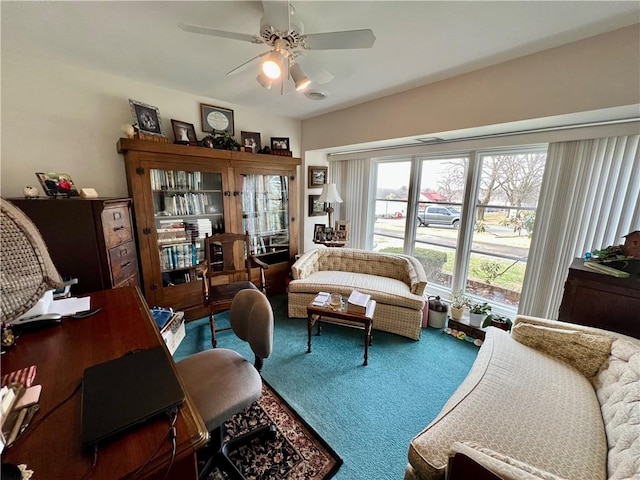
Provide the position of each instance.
(477, 313)
(458, 303)
(499, 321)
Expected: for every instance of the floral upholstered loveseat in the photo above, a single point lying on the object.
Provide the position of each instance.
(553, 400)
(396, 282)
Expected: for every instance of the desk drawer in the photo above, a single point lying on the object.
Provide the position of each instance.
(116, 224)
(123, 262)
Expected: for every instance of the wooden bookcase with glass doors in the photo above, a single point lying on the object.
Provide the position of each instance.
(182, 193)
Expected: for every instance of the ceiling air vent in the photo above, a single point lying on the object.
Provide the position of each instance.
(316, 95)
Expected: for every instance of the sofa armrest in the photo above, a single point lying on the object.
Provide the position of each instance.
(584, 348)
(417, 275)
(488, 463)
(306, 265)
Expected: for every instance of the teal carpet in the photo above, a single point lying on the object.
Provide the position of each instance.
(369, 414)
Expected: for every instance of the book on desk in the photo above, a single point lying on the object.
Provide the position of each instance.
(358, 302)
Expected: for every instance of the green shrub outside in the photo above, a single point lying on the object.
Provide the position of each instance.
(431, 260)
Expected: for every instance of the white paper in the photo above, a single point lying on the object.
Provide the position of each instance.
(320, 299)
(69, 306)
(360, 299)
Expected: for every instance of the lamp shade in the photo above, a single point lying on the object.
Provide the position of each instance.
(299, 77)
(330, 194)
(272, 65)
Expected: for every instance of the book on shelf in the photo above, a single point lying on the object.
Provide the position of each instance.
(358, 302)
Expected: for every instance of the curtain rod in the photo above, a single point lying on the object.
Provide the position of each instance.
(491, 135)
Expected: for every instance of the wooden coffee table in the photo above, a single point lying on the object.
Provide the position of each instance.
(340, 316)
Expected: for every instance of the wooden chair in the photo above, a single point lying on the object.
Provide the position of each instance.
(225, 271)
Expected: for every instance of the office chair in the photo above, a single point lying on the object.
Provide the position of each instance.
(226, 270)
(222, 383)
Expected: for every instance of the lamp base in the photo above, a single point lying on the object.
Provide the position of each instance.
(330, 211)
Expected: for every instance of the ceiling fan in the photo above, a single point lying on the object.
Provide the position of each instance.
(281, 30)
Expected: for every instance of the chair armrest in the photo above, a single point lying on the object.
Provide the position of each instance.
(259, 263)
(475, 461)
(306, 265)
(203, 269)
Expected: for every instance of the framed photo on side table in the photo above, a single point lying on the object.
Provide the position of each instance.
(317, 176)
(184, 133)
(147, 117)
(316, 208)
(318, 232)
(342, 230)
(216, 119)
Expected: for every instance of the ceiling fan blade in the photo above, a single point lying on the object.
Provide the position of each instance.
(219, 33)
(339, 40)
(244, 65)
(276, 14)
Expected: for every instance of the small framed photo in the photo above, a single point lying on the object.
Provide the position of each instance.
(317, 176)
(318, 232)
(216, 119)
(342, 230)
(251, 141)
(147, 117)
(316, 208)
(57, 184)
(280, 143)
(185, 133)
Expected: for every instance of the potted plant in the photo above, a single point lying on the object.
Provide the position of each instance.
(458, 302)
(225, 141)
(499, 321)
(477, 313)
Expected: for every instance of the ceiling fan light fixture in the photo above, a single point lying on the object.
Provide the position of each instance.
(272, 65)
(265, 81)
(299, 77)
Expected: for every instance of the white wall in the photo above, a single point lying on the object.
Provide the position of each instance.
(59, 118)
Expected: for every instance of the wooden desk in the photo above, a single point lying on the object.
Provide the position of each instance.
(52, 449)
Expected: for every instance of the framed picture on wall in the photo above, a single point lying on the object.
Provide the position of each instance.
(342, 230)
(317, 176)
(316, 208)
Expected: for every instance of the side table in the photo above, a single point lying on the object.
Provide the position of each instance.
(340, 316)
(331, 243)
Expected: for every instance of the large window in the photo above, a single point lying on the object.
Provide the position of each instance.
(471, 218)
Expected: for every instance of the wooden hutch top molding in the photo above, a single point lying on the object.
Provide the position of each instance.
(126, 144)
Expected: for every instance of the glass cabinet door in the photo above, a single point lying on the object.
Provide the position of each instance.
(265, 215)
(188, 206)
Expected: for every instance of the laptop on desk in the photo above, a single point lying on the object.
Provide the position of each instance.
(119, 394)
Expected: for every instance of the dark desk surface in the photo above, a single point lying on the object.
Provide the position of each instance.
(52, 449)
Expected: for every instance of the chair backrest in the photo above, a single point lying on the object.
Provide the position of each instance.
(227, 255)
(27, 269)
(251, 318)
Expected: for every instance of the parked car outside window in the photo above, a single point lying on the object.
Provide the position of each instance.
(439, 215)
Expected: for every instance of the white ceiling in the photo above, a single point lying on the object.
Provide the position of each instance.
(417, 42)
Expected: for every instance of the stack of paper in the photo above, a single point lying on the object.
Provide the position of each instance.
(358, 302)
(321, 299)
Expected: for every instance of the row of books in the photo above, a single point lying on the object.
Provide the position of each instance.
(188, 204)
(178, 180)
(173, 257)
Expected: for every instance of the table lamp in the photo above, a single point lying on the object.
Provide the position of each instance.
(330, 195)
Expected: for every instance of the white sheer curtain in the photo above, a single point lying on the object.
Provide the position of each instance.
(352, 181)
(589, 200)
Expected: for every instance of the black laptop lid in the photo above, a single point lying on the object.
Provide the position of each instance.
(127, 391)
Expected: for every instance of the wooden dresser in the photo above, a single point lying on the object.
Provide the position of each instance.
(603, 301)
(88, 239)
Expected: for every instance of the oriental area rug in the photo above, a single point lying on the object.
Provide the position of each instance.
(296, 453)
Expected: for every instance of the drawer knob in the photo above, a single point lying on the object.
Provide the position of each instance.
(125, 265)
(116, 229)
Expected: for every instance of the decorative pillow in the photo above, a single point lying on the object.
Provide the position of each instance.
(586, 352)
